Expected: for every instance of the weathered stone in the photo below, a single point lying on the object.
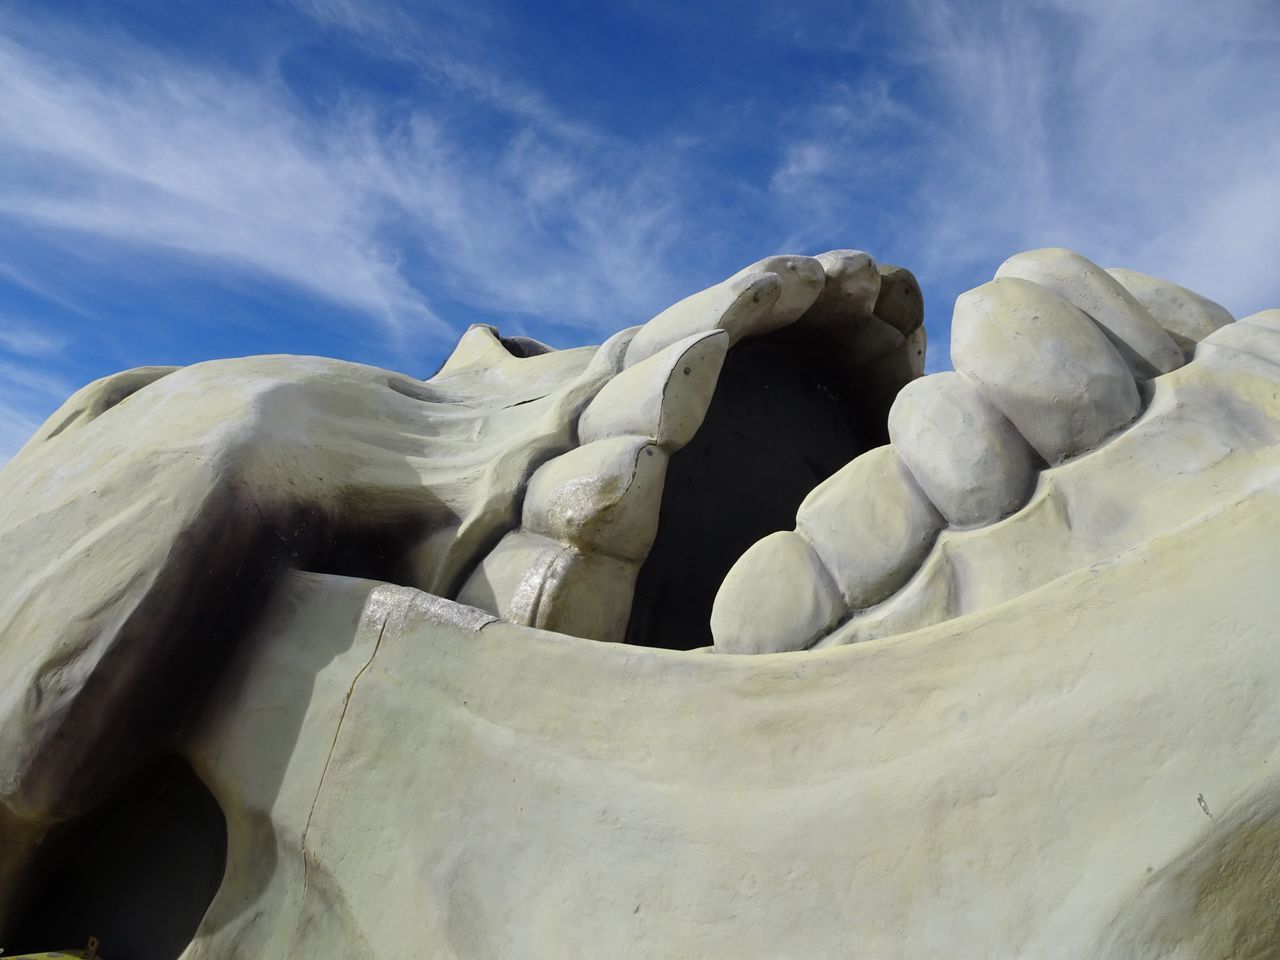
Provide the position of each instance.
(1044, 364)
(776, 598)
(1143, 343)
(966, 455)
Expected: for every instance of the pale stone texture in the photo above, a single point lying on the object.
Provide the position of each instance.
(1143, 343)
(1022, 783)
(871, 525)
(967, 457)
(1046, 736)
(1044, 365)
(777, 597)
(1186, 316)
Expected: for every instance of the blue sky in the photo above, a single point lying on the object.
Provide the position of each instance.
(364, 178)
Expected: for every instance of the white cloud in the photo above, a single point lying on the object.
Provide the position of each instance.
(1144, 134)
(30, 341)
(364, 205)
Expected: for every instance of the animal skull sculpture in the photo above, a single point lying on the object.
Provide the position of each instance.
(1018, 695)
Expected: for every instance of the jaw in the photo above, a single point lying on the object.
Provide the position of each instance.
(1027, 775)
(767, 472)
(1057, 739)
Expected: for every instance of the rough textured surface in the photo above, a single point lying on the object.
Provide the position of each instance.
(1143, 343)
(871, 525)
(1018, 783)
(1047, 734)
(1044, 365)
(966, 456)
(777, 597)
(1185, 315)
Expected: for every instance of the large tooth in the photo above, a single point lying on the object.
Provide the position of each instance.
(777, 597)
(850, 288)
(802, 278)
(1044, 364)
(756, 300)
(1185, 315)
(844, 311)
(664, 397)
(871, 525)
(899, 302)
(1265, 318)
(603, 497)
(964, 453)
(539, 582)
(1142, 342)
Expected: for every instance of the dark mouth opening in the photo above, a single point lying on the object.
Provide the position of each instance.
(138, 874)
(785, 416)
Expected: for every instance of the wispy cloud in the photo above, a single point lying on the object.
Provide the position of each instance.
(1144, 134)
(367, 205)
(27, 394)
(28, 340)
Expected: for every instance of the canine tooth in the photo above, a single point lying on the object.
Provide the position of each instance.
(1185, 315)
(1044, 365)
(756, 300)
(899, 301)
(851, 285)
(967, 457)
(871, 525)
(603, 497)
(1143, 343)
(664, 397)
(539, 582)
(777, 597)
(803, 279)
(740, 306)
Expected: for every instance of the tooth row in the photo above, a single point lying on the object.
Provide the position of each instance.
(966, 455)
(1143, 343)
(759, 299)
(859, 536)
(1185, 315)
(1045, 360)
(1043, 364)
(590, 515)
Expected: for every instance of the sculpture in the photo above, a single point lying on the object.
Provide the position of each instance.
(1022, 696)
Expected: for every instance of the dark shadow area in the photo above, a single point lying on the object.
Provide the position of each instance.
(779, 424)
(137, 874)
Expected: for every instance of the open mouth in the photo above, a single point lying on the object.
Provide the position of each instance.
(728, 410)
(759, 469)
(767, 471)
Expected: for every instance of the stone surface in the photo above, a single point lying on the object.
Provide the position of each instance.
(1186, 316)
(1044, 365)
(663, 398)
(547, 797)
(777, 597)
(871, 525)
(966, 456)
(899, 301)
(1048, 734)
(1143, 343)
